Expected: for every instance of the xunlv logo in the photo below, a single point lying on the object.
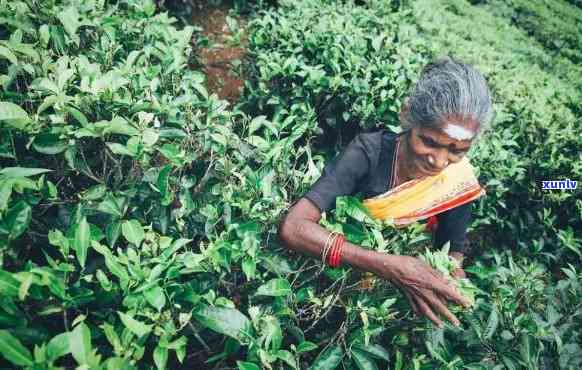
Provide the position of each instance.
(559, 184)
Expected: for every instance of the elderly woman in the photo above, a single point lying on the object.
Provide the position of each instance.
(419, 173)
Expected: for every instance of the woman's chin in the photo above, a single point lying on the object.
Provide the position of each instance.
(423, 172)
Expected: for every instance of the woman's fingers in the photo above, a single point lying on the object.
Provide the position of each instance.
(447, 290)
(426, 311)
(439, 306)
(413, 304)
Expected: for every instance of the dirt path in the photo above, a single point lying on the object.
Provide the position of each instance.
(222, 58)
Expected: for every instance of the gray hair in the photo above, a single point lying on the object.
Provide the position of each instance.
(448, 87)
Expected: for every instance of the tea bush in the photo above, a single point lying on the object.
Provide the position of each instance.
(139, 212)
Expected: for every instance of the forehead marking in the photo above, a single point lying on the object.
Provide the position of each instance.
(458, 133)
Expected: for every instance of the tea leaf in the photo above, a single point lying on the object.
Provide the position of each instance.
(275, 288)
(227, 321)
(156, 297)
(58, 346)
(133, 232)
(136, 327)
(161, 357)
(12, 350)
(82, 240)
(80, 343)
(328, 359)
(13, 115)
(12, 172)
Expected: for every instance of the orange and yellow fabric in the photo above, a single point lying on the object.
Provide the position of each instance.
(419, 199)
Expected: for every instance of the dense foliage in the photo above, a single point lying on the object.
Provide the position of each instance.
(139, 212)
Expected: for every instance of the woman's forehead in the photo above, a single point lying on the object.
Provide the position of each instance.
(457, 131)
(450, 134)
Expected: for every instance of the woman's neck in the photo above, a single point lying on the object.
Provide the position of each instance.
(403, 165)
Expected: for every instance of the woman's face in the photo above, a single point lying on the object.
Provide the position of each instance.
(433, 149)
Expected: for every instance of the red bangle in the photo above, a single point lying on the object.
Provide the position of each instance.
(432, 224)
(339, 253)
(332, 251)
(335, 254)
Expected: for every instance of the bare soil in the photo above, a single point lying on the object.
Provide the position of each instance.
(222, 56)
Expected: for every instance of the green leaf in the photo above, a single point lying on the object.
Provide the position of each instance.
(306, 346)
(353, 207)
(69, 17)
(287, 357)
(112, 264)
(8, 54)
(18, 218)
(328, 359)
(150, 137)
(133, 232)
(256, 123)
(375, 350)
(242, 365)
(117, 148)
(27, 279)
(22, 171)
(13, 115)
(95, 192)
(119, 126)
(271, 332)
(176, 245)
(103, 280)
(58, 346)
(5, 192)
(112, 337)
(156, 297)
(117, 363)
(275, 288)
(49, 144)
(161, 357)
(78, 115)
(112, 232)
(82, 241)
(362, 360)
(163, 178)
(80, 343)
(12, 350)
(9, 286)
(492, 324)
(110, 205)
(249, 267)
(227, 321)
(136, 327)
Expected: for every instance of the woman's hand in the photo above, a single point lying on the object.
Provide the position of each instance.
(426, 289)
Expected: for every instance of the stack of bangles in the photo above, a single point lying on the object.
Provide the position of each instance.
(333, 248)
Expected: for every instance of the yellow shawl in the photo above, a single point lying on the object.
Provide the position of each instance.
(422, 198)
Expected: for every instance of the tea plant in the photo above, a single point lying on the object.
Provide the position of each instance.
(139, 212)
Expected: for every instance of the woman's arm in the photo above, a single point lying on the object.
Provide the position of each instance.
(426, 290)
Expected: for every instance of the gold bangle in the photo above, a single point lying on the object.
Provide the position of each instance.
(327, 246)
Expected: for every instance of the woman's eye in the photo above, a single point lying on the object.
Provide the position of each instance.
(429, 142)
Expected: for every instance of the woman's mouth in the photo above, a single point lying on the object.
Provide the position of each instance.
(428, 170)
